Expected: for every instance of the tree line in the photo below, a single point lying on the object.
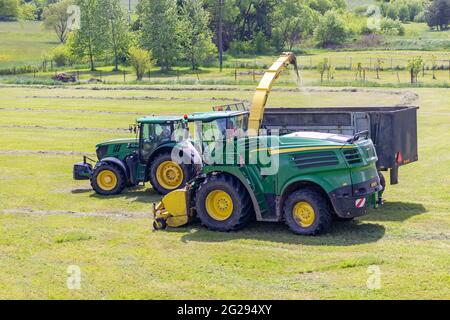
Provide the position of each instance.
(193, 31)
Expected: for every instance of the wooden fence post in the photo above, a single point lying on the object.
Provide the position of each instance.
(124, 77)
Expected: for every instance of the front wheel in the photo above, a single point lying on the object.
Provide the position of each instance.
(223, 204)
(108, 179)
(167, 175)
(306, 212)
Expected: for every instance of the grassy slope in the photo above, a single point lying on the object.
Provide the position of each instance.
(120, 257)
(24, 43)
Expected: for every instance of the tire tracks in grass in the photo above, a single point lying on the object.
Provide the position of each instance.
(45, 152)
(114, 214)
(113, 130)
(142, 98)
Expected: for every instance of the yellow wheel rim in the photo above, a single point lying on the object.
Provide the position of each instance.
(169, 175)
(304, 214)
(107, 180)
(219, 205)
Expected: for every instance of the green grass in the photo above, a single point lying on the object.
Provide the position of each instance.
(24, 43)
(49, 221)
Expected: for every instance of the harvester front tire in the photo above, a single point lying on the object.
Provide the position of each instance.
(306, 212)
(108, 179)
(162, 184)
(221, 189)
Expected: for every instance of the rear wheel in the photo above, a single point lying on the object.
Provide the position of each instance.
(223, 204)
(306, 212)
(167, 175)
(108, 179)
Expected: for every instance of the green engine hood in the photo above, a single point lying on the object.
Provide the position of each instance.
(117, 148)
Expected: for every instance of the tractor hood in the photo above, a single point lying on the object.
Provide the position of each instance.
(117, 141)
(118, 148)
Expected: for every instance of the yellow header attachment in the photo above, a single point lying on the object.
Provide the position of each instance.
(264, 87)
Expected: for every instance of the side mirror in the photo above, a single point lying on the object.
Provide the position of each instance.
(132, 128)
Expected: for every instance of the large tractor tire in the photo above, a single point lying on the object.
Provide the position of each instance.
(306, 212)
(167, 175)
(108, 179)
(223, 204)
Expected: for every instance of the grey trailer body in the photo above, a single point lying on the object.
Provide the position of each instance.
(393, 130)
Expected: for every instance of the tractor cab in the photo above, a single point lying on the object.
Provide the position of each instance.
(158, 131)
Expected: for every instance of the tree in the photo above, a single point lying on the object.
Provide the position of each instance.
(117, 29)
(437, 14)
(91, 39)
(322, 66)
(195, 35)
(140, 61)
(27, 11)
(160, 29)
(404, 13)
(331, 29)
(292, 21)
(55, 18)
(414, 66)
(9, 9)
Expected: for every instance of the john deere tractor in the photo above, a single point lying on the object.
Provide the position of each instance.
(147, 157)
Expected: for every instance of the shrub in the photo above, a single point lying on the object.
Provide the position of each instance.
(9, 9)
(140, 60)
(27, 11)
(62, 56)
(392, 27)
(331, 29)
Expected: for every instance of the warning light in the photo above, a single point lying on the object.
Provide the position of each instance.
(399, 158)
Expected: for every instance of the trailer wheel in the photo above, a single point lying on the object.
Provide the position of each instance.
(306, 212)
(223, 204)
(167, 175)
(108, 179)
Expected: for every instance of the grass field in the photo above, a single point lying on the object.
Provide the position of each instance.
(24, 43)
(49, 221)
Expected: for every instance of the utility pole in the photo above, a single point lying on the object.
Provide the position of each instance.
(220, 35)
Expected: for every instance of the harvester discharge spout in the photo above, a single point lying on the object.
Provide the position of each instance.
(265, 85)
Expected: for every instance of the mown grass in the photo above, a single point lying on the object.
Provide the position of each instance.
(49, 221)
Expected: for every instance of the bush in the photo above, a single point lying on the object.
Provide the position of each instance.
(331, 30)
(62, 56)
(17, 70)
(420, 17)
(404, 13)
(140, 60)
(392, 27)
(9, 9)
(237, 47)
(27, 11)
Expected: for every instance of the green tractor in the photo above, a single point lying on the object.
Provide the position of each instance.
(147, 157)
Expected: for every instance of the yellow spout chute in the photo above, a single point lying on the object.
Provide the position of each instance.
(263, 90)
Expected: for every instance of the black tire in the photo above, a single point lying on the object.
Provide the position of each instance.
(118, 172)
(159, 224)
(242, 212)
(188, 173)
(322, 213)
